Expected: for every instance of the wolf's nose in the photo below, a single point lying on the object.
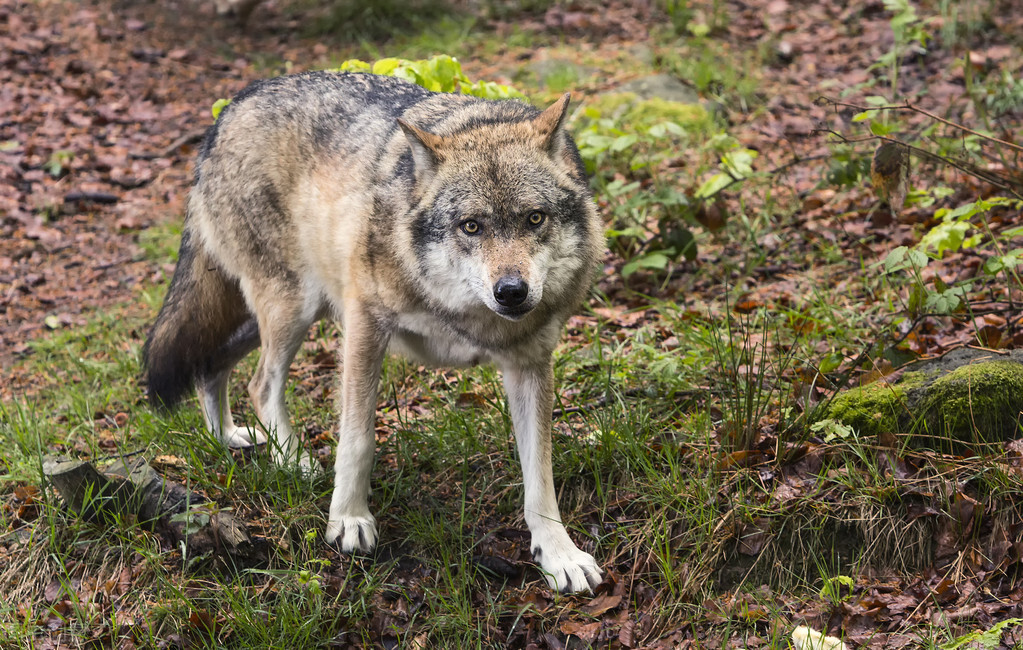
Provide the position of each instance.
(511, 291)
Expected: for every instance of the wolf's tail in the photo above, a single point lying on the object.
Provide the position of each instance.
(204, 307)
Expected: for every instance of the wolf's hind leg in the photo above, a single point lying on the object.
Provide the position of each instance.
(212, 389)
(530, 400)
(283, 322)
(351, 525)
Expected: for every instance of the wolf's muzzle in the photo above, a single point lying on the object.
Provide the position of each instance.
(510, 291)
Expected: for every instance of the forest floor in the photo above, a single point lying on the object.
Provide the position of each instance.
(104, 105)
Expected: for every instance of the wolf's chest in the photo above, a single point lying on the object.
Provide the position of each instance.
(423, 338)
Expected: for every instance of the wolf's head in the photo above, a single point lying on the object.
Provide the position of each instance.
(505, 217)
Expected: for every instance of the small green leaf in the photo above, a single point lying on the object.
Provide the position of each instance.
(946, 301)
(903, 258)
(865, 115)
(879, 128)
(623, 142)
(386, 66)
(653, 260)
(739, 163)
(218, 106)
(699, 30)
(946, 236)
(713, 185)
(355, 65)
(830, 363)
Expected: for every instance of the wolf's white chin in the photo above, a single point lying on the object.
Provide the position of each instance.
(512, 313)
(512, 316)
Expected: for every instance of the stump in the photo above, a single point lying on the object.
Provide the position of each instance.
(131, 488)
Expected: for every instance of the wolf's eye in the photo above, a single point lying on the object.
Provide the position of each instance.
(470, 227)
(536, 218)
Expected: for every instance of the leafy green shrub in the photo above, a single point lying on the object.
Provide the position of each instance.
(441, 73)
(959, 228)
(629, 146)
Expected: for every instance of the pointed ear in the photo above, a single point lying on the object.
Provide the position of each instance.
(548, 123)
(426, 150)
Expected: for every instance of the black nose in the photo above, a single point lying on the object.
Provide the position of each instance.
(511, 291)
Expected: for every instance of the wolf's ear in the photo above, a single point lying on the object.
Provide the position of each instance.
(426, 150)
(548, 124)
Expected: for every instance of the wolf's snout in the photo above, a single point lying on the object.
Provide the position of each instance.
(510, 291)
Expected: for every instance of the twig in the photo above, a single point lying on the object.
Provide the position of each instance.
(917, 109)
(116, 262)
(90, 197)
(769, 172)
(995, 181)
(188, 138)
(597, 403)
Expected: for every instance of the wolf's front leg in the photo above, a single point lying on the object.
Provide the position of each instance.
(351, 525)
(531, 398)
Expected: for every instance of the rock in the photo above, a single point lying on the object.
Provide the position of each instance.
(559, 74)
(968, 401)
(661, 86)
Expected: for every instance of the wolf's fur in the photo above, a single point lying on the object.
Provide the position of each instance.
(451, 229)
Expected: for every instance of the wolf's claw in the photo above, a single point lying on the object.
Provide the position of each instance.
(566, 568)
(352, 534)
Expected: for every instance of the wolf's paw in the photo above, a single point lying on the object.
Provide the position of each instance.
(352, 534)
(307, 465)
(304, 462)
(566, 568)
(241, 437)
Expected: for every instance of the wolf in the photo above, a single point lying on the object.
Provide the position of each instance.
(451, 229)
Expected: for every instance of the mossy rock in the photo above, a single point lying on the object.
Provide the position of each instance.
(968, 401)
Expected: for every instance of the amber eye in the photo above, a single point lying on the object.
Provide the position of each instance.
(470, 227)
(536, 218)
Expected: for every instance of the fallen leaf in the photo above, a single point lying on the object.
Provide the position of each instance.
(585, 631)
(601, 604)
(889, 173)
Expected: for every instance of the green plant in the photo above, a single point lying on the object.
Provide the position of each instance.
(687, 18)
(58, 162)
(441, 73)
(988, 639)
(908, 33)
(837, 589)
(632, 142)
(950, 234)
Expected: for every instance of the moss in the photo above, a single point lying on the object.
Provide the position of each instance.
(976, 403)
(870, 409)
(637, 113)
(649, 112)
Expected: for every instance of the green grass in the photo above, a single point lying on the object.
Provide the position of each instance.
(640, 479)
(661, 453)
(640, 472)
